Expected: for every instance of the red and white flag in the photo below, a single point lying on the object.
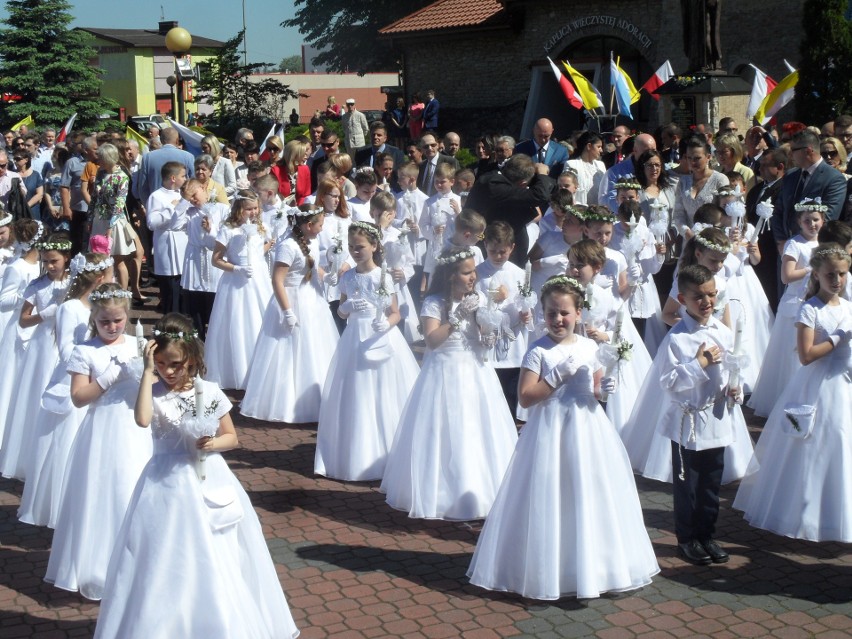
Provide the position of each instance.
(660, 77)
(66, 130)
(762, 87)
(264, 154)
(567, 88)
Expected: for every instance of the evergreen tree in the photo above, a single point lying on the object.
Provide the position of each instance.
(238, 101)
(347, 33)
(825, 70)
(47, 64)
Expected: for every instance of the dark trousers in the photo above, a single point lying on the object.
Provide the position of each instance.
(199, 306)
(77, 231)
(696, 496)
(170, 297)
(509, 383)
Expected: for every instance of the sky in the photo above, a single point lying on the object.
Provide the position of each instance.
(266, 40)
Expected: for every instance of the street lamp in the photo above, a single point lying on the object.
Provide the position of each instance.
(179, 42)
(172, 81)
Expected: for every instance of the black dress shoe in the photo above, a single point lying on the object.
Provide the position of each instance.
(717, 555)
(694, 553)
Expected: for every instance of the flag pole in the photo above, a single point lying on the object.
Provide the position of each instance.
(611, 85)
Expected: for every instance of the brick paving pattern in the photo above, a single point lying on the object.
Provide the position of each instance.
(352, 567)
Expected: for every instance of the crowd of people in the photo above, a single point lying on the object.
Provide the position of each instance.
(615, 297)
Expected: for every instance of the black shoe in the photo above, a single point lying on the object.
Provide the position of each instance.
(717, 555)
(694, 553)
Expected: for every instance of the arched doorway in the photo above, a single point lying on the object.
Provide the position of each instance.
(591, 57)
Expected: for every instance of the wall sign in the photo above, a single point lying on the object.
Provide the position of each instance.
(595, 24)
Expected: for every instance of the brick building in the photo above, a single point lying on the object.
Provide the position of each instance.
(487, 59)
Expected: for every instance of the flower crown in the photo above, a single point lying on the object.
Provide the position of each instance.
(598, 214)
(368, 228)
(727, 190)
(719, 248)
(105, 295)
(79, 264)
(465, 254)
(365, 170)
(54, 246)
(180, 335)
(26, 246)
(7, 220)
(560, 280)
(811, 205)
(628, 181)
(297, 212)
(830, 251)
(579, 213)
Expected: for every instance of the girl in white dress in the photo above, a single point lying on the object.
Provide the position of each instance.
(334, 257)
(372, 372)
(802, 486)
(243, 293)
(569, 467)
(297, 337)
(199, 280)
(58, 420)
(42, 298)
(588, 167)
(649, 451)
(781, 360)
(456, 434)
(190, 559)
(7, 242)
(109, 452)
(13, 338)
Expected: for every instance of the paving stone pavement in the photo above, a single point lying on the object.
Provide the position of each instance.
(352, 567)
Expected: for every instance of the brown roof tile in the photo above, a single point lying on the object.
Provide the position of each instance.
(446, 14)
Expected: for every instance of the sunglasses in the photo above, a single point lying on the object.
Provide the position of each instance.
(829, 155)
(328, 145)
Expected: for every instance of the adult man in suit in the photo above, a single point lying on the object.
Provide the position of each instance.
(431, 158)
(430, 111)
(772, 166)
(516, 194)
(543, 149)
(378, 144)
(148, 178)
(618, 136)
(812, 178)
(355, 127)
(315, 130)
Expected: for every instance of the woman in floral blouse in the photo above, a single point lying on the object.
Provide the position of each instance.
(109, 217)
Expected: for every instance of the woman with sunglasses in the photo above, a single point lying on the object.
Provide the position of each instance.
(223, 169)
(834, 154)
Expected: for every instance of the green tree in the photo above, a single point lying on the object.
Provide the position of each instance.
(47, 64)
(347, 32)
(237, 99)
(291, 64)
(825, 70)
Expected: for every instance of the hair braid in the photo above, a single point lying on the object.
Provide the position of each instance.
(306, 251)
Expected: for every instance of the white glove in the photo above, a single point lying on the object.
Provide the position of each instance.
(247, 271)
(381, 325)
(290, 319)
(608, 385)
(562, 371)
(634, 273)
(843, 332)
(354, 305)
(48, 311)
(331, 278)
(555, 260)
(467, 306)
(110, 376)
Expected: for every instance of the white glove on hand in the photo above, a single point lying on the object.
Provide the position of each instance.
(634, 273)
(48, 311)
(562, 371)
(843, 332)
(381, 325)
(247, 271)
(608, 385)
(290, 319)
(110, 376)
(467, 306)
(331, 278)
(354, 305)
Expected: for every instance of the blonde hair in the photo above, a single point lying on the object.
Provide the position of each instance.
(101, 303)
(294, 153)
(233, 220)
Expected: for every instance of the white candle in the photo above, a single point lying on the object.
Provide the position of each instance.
(140, 339)
(380, 298)
(248, 250)
(200, 455)
(619, 321)
(738, 333)
(198, 385)
(527, 275)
